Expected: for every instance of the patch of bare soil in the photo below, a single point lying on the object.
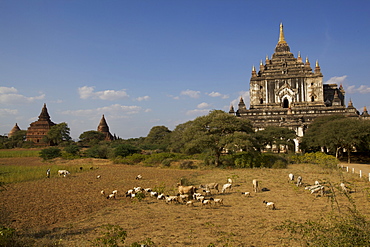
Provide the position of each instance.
(71, 210)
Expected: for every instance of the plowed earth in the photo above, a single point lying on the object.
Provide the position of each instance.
(70, 211)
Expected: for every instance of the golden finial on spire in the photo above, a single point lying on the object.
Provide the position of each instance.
(253, 68)
(317, 63)
(281, 36)
(307, 60)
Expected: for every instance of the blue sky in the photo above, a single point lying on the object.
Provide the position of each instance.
(164, 62)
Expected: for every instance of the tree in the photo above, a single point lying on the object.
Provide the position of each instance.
(58, 133)
(98, 151)
(217, 132)
(72, 149)
(278, 136)
(312, 141)
(158, 138)
(336, 134)
(91, 137)
(50, 153)
(177, 138)
(17, 139)
(345, 133)
(124, 150)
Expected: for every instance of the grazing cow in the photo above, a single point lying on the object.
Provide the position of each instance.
(63, 173)
(190, 190)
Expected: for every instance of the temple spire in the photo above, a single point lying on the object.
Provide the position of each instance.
(282, 46)
(281, 36)
(254, 73)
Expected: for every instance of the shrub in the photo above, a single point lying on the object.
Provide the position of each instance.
(318, 158)
(186, 164)
(124, 150)
(131, 159)
(255, 159)
(335, 229)
(72, 149)
(50, 153)
(110, 236)
(158, 158)
(98, 151)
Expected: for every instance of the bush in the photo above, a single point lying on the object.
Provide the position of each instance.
(255, 159)
(98, 151)
(6, 236)
(335, 229)
(318, 158)
(187, 164)
(131, 159)
(50, 153)
(158, 158)
(72, 149)
(110, 235)
(124, 150)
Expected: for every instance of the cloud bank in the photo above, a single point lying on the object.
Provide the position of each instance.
(86, 92)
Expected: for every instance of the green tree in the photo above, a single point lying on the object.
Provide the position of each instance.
(336, 134)
(98, 151)
(345, 134)
(313, 139)
(124, 150)
(177, 138)
(217, 132)
(278, 136)
(158, 138)
(91, 137)
(57, 134)
(50, 153)
(72, 149)
(16, 140)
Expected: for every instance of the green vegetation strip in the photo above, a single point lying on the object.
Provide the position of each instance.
(15, 174)
(18, 153)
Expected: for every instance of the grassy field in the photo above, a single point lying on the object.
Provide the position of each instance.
(71, 211)
(19, 153)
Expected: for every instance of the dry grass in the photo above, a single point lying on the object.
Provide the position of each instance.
(72, 209)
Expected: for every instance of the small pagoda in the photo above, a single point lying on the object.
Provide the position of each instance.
(40, 128)
(103, 127)
(14, 130)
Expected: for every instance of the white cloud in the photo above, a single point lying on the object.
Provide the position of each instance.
(143, 98)
(191, 93)
(6, 90)
(336, 80)
(363, 89)
(18, 98)
(7, 112)
(86, 92)
(217, 94)
(115, 109)
(9, 95)
(203, 105)
(198, 112)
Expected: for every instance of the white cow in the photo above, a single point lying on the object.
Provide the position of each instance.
(63, 172)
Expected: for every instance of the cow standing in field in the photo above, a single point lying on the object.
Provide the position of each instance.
(48, 173)
(255, 185)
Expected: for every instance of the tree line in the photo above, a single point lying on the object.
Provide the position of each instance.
(218, 137)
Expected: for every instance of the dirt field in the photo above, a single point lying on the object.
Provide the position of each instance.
(70, 211)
